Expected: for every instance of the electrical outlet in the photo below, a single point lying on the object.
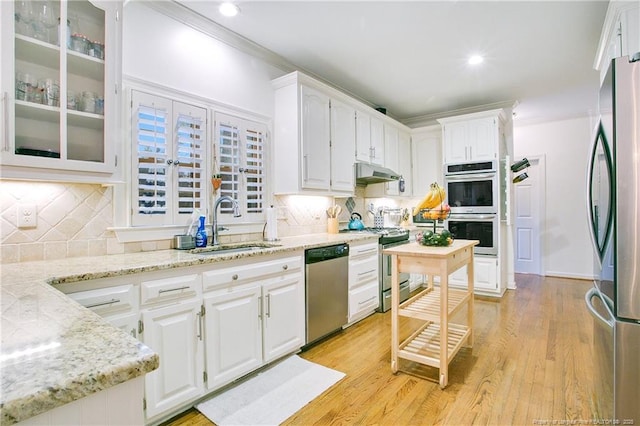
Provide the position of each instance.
(281, 212)
(27, 216)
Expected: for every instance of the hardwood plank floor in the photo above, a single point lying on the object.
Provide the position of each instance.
(530, 362)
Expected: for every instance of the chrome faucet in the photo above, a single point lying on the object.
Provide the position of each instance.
(215, 228)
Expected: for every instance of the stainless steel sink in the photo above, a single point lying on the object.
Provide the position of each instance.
(226, 249)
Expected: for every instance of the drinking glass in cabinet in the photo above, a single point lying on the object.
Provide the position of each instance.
(24, 17)
(45, 22)
(51, 92)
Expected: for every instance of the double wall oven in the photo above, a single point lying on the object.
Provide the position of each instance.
(472, 194)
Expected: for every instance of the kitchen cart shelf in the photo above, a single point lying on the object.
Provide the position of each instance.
(436, 342)
(426, 304)
(424, 345)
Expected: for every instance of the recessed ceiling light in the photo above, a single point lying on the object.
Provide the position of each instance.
(475, 60)
(229, 9)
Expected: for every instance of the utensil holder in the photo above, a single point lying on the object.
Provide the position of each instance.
(332, 225)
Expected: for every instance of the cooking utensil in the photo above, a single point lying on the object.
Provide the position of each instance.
(334, 211)
(355, 222)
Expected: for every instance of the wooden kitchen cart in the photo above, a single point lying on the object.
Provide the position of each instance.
(437, 341)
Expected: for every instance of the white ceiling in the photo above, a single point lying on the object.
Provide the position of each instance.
(410, 56)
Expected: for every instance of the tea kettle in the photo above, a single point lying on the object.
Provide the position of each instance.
(355, 222)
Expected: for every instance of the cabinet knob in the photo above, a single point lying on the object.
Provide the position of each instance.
(169, 162)
(234, 277)
(285, 267)
(176, 163)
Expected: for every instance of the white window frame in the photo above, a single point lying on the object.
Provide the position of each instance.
(123, 228)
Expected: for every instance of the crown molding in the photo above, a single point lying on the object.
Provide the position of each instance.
(431, 119)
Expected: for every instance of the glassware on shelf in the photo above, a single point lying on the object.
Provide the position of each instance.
(44, 22)
(88, 102)
(51, 92)
(72, 100)
(24, 17)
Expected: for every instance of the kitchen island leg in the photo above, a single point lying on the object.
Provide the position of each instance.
(444, 326)
(395, 299)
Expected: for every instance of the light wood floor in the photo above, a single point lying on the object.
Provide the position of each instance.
(530, 362)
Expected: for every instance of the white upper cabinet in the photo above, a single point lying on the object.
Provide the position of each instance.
(620, 34)
(405, 166)
(427, 159)
(369, 138)
(343, 133)
(314, 138)
(472, 137)
(60, 100)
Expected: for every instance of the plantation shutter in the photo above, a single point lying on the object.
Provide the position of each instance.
(241, 163)
(254, 170)
(189, 163)
(229, 163)
(151, 140)
(169, 160)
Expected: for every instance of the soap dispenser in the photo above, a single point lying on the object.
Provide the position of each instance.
(201, 235)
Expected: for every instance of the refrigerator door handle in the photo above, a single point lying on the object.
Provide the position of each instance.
(587, 298)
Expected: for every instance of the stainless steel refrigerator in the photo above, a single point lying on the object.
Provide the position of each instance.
(614, 212)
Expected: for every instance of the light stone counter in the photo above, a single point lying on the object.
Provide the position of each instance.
(55, 351)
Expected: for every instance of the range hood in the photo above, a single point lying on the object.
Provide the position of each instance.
(370, 173)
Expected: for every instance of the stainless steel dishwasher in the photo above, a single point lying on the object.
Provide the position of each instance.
(327, 290)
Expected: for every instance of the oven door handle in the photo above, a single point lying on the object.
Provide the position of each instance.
(476, 217)
(462, 177)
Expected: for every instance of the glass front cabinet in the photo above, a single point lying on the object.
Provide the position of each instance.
(61, 73)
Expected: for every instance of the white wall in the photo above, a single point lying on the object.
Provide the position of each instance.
(565, 144)
(161, 50)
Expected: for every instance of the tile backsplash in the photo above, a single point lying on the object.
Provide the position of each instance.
(73, 220)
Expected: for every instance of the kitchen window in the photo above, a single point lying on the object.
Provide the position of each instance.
(240, 160)
(169, 176)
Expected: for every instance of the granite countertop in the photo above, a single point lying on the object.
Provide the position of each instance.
(55, 351)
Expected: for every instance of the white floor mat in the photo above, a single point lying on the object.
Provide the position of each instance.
(272, 396)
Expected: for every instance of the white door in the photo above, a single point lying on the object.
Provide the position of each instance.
(233, 333)
(283, 318)
(174, 332)
(528, 208)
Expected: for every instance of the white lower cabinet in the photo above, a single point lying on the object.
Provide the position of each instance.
(364, 289)
(283, 315)
(210, 325)
(171, 325)
(175, 333)
(485, 275)
(254, 315)
(233, 333)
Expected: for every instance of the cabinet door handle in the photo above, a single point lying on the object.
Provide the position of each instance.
(169, 162)
(200, 316)
(268, 296)
(176, 163)
(368, 300)
(260, 307)
(285, 267)
(173, 289)
(306, 169)
(234, 277)
(95, 305)
(5, 114)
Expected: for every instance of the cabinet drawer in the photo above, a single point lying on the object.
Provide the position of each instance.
(180, 287)
(363, 270)
(237, 274)
(365, 298)
(363, 249)
(106, 301)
